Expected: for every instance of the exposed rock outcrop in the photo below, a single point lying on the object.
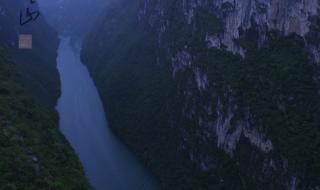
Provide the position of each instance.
(233, 109)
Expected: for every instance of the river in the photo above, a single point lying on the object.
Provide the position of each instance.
(107, 163)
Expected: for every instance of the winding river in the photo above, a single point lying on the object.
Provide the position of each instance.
(107, 163)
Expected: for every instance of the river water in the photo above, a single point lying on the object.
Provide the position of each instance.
(107, 163)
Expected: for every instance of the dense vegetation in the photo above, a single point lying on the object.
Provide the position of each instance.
(277, 84)
(144, 103)
(140, 98)
(33, 154)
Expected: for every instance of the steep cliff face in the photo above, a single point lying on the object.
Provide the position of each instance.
(266, 15)
(242, 82)
(299, 17)
(37, 65)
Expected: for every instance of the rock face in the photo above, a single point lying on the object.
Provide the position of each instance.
(285, 16)
(244, 84)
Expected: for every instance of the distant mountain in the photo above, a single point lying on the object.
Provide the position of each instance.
(213, 94)
(72, 16)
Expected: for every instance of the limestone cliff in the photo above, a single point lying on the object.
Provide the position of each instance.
(243, 83)
(300, 17)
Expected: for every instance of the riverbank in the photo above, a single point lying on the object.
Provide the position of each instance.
(106, 161)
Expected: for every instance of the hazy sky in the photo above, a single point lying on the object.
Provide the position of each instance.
(76, 16)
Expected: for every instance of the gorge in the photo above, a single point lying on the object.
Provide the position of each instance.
(161, 94)
(225, 91)
(107, 163)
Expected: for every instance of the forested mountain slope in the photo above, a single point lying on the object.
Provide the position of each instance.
(213, 94)
(34, 155)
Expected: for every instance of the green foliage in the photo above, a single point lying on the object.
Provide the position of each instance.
(33, 154)
(276, 83)
(284, 96)
(140, 99)
(181, 35)
(144, 104)
(207, 22)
